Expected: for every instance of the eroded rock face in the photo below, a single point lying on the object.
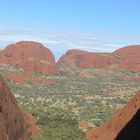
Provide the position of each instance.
(84, 59)
(12, 120)
(31, 56)
(111, 129)
(127, 58)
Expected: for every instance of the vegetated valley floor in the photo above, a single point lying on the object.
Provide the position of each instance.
(94, 98)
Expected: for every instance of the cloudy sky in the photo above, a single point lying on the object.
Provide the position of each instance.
(93, 25)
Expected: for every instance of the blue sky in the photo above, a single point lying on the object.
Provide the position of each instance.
(93, 25)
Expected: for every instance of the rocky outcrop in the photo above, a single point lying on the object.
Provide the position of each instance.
(127, 58)
(13, 125)
(31, 56)
(31, 124)
(84, 59)
(121, 122)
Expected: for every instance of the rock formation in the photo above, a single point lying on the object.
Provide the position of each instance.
(123, 121)
(31, 124)
(127, 58)
(31, 56)
(13, 122)
(84, 59)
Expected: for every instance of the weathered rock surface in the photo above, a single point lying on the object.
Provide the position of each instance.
(13, 123)
(31, 124)
(127, 58)
(112, 128)
(84, 59)
(31, 56)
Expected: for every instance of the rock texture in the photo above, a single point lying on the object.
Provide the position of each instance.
(31, 56)
(112, 128)
(84, 59)
(127, 58)
(13, 125)
(31, 124)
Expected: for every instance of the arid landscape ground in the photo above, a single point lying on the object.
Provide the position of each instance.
(82, 96)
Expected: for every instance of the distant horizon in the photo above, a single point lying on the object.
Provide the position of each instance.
(57, 56)
(91, 25)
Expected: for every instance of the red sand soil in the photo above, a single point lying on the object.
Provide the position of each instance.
(24, 78)
(84, 124)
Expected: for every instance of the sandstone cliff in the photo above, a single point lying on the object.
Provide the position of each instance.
(13, 122)
(112, 128)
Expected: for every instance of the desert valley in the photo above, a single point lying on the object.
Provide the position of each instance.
(69, 70)
(83, 96)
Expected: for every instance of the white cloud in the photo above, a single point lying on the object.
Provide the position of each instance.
(61, 42)
(18, 31)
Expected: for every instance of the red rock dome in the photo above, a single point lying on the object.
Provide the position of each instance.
(127, 58)
(31, 56)
(84, 59)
